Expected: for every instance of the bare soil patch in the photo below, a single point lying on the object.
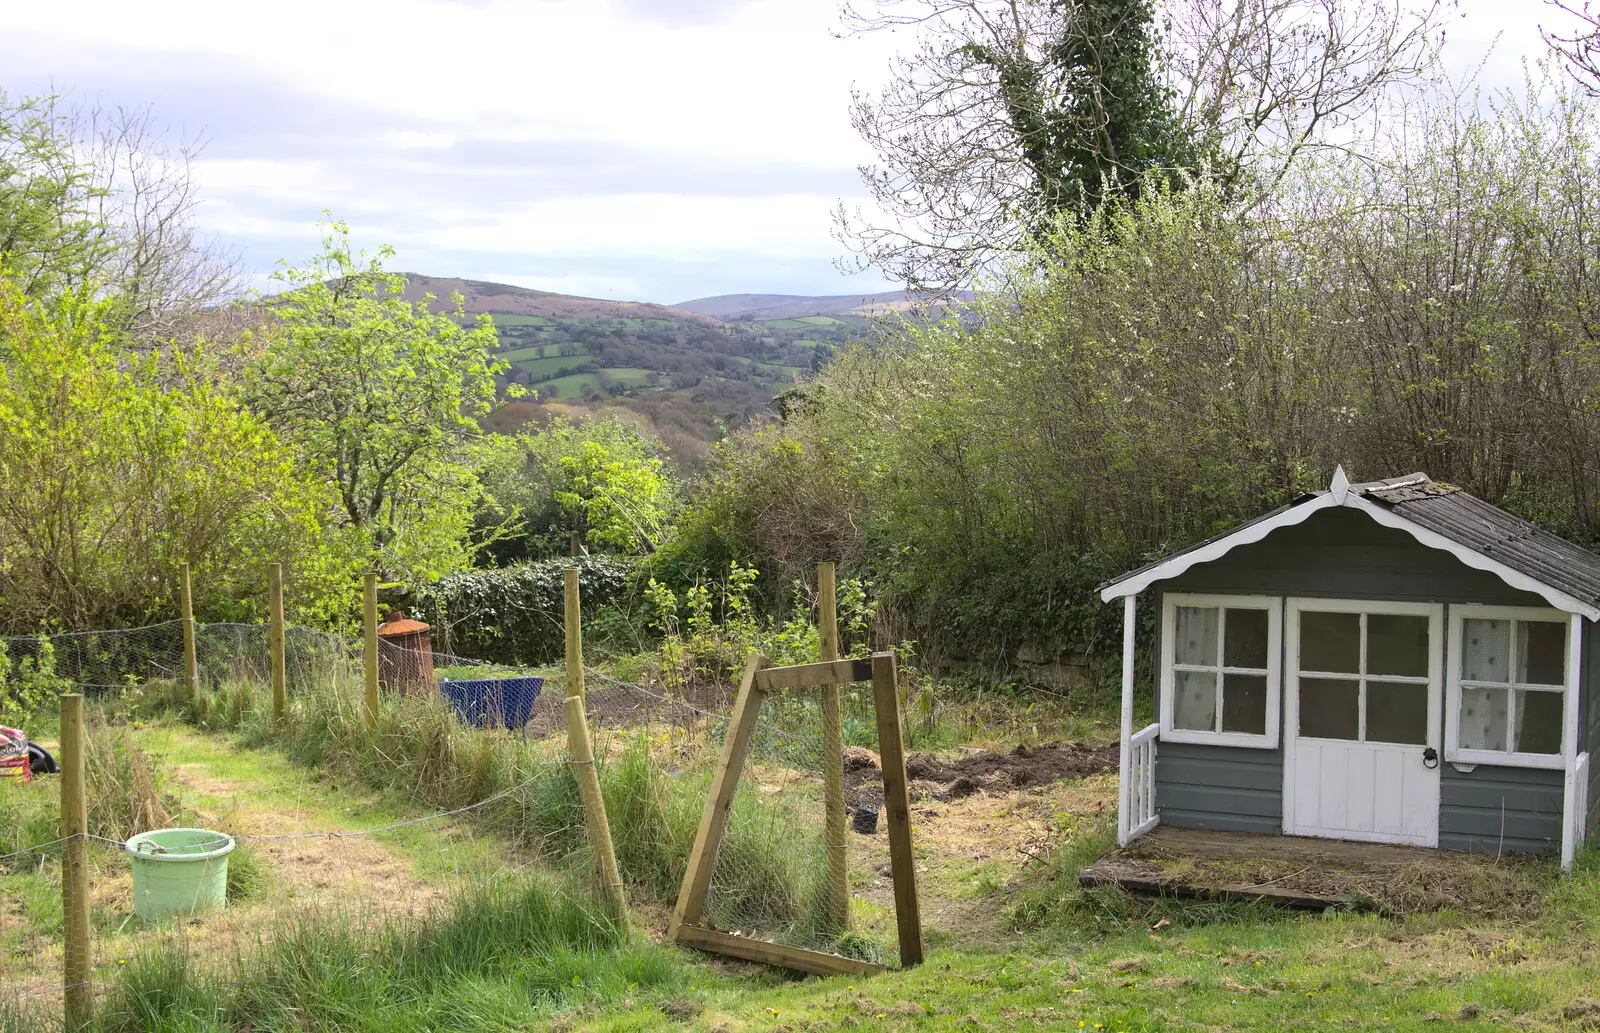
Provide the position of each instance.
(945, 780)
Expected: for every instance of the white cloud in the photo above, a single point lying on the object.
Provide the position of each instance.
(413, 120)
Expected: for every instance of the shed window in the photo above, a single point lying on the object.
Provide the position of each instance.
(1363, 671)
(1219, 670)
(1508, 686)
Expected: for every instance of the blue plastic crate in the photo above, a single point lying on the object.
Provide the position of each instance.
(493, 702)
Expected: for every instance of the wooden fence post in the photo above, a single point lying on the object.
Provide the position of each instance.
(897, 808)
(191, 657)
(833, 754)
(275, 634)
(573, 607)
(582, 750)
(369, 654)
(77, 951)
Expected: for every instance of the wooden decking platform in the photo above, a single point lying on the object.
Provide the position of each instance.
(1316, 874)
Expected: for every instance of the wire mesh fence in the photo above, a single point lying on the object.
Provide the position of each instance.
(316, 873)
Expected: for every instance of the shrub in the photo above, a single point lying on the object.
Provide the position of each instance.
(514, 614)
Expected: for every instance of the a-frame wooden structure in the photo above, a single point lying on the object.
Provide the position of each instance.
(758, 680)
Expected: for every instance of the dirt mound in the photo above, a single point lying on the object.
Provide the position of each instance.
(1023, 768)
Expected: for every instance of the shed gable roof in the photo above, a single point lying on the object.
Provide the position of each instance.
(1437, 515)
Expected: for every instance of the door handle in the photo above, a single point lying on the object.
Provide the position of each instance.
(1430, 758)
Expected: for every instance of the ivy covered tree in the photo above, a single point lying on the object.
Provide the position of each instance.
(1089, 111)
(382, 397)
(1009, 115)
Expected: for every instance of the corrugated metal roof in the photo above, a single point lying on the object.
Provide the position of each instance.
(1448, 511)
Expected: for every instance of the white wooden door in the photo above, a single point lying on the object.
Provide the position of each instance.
(1362, 720)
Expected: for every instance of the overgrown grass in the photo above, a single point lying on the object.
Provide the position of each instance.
(418, 750)
(498, 956)
(129, 795)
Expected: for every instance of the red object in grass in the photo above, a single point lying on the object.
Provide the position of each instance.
(14, 765)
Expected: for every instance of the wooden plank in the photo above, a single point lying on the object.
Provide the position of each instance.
(836, 839)
(831, 672)
(797, 958)
(1154, 886)
(714, 819)
(897, 807)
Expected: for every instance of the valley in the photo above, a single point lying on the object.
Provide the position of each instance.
(685, 371)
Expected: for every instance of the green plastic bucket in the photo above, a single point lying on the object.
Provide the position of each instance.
(178, 871)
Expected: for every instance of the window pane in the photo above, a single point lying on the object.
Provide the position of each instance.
(1539, 722)
(1397, 712)
(1330, 642)
(1244, 640)
(1194, 700)
(1541, 653)
(1244, 702)
(1483, 718)
(1328, 708)
(1397, 644)
(1195, 639)
(1485, 646)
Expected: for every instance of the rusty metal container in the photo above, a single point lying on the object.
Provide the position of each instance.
(405, 655)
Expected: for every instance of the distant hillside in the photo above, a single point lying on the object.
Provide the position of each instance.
(764, 307)
(502, 298)
(687, 374)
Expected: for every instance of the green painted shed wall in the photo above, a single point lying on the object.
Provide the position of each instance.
(1343, 554)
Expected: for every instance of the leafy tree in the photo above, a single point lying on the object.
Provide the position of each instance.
(103, 197)
(602, 480)
(381, 397)
(50, 235)
(117, 467)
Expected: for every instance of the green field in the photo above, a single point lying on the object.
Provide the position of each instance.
(804, 322)
(532, 352)
(627, 376)
(569, 386)
(544, 369)
(513, 319)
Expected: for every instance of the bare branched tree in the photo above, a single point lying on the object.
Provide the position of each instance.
(1253, 83)
(1581, 50)
(105, 198)
(165, 269)
(1264, 80)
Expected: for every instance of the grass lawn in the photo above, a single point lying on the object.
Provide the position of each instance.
(1014, 943)
(248, 792)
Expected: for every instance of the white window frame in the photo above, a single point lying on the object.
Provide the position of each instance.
(1454, 752)
(1273, 605)
(1435, 614)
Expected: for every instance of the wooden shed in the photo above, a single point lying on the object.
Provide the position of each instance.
(1394, 662)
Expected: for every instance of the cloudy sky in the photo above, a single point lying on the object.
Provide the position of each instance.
(643, 149)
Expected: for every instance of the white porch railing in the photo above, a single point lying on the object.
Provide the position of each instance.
(1580, 792)
(1138, 811)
